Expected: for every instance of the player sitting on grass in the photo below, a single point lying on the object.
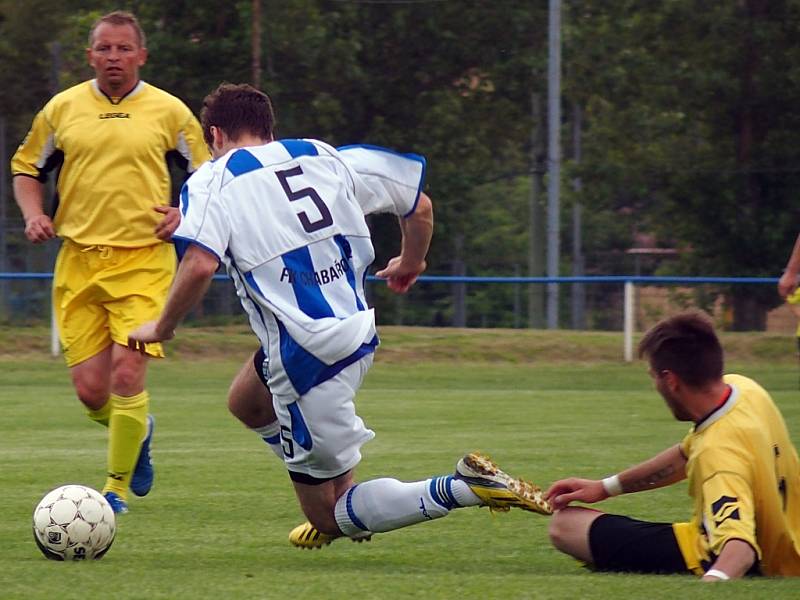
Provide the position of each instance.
(287, 219)
(742, 468)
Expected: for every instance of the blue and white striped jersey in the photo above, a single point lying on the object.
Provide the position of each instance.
(287, 220)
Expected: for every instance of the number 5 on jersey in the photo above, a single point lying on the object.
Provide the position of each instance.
(324, 220)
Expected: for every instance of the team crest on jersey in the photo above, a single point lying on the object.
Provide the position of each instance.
(726, 507)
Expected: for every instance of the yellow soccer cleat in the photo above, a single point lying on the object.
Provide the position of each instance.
(498, 490)
(308, 536)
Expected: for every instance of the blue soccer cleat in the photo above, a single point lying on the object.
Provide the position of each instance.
(118, 505)
(142, 479)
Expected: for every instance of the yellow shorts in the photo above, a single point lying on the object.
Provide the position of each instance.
(690, 545)
(794, 297)
(102, 293)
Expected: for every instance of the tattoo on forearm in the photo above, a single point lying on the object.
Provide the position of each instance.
(651, 480)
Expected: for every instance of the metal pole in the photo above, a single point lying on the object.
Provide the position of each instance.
(459, 288)
(628, 320)
(537, 229)
(553, 157)
(55, 346)
(578, 289)
(256, 43)
(517, 302)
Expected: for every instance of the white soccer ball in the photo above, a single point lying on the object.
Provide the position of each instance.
(74, 522)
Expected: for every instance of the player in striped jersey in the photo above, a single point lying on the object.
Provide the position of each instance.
(287, 218)
(742, 469)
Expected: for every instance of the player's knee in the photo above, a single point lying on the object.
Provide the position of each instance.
(234, 404)
(125, 383)
(244, 411)
(92, 392)
(253, 407)
(560, 530)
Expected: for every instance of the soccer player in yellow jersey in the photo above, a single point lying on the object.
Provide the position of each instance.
(109, 138)
(741, 466)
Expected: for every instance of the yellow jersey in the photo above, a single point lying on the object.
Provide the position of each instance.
(744, 479)
(111, 155)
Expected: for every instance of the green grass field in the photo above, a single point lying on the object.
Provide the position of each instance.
(216, 523)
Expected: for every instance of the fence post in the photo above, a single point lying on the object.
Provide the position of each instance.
(628, 319)
(55, 346)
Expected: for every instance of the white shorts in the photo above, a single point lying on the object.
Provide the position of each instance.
(321, 433)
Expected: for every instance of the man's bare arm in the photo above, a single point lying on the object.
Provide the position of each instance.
(29, 194)
(665, 468)
(402, 271)
(734, 561)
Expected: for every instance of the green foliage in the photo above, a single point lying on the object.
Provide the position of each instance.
(690, 111)
(687, 127)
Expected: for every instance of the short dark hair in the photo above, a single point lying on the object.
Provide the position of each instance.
(237, 109)
(119, 18)
(687, 345)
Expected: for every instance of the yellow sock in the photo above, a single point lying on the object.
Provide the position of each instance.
(101, 415)
(126, 429)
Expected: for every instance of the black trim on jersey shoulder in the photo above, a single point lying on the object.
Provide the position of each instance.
(54, 161)
(56, 202)
(121, 98)
(178, 160)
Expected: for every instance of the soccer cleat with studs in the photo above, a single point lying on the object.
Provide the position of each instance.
(307, 536)
(118, 505)
(498, 490)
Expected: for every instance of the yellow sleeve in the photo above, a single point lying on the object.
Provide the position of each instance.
(728, 505)
(34, 151)
(191, 144)
(686, 444)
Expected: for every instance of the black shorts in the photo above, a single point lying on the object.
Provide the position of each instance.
(626, 545)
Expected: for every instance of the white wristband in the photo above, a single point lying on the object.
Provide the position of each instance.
(722, 576)
(612, 485)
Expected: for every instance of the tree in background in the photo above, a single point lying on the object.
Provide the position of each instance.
(690, 114)
(690, 110)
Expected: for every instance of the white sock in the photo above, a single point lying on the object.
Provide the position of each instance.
(386, 504)
(271, 434)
